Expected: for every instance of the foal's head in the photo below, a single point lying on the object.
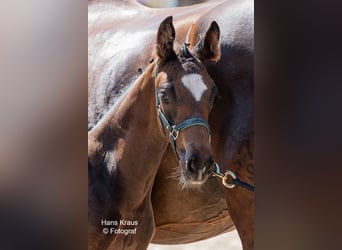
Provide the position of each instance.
(185, 96)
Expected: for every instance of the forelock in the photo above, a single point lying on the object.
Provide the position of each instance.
(189, 63)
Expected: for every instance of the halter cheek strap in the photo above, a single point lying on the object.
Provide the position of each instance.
(175, 129)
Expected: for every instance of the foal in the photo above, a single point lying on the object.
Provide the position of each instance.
(169, 102)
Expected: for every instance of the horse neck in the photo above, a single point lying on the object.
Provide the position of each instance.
(129, 137)
(136, 115)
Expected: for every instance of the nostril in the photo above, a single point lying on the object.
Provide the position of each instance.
(190, 165)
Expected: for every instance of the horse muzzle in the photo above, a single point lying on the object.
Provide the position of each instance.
(196, 168)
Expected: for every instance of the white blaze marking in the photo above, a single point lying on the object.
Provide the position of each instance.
(195, 84)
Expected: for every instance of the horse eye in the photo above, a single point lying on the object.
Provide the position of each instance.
(164, 98)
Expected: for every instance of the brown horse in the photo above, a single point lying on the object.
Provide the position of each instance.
(190, 214)
(170, 101)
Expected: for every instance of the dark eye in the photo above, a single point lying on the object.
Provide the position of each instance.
(164, 98)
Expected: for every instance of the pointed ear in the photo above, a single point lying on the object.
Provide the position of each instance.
(209, 47)
(165, 38)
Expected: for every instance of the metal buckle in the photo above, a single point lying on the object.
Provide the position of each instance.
(174, 133)
(224, 179)
(224, 176)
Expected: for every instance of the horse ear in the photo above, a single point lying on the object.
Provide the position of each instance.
(209, 47)
(165, 38)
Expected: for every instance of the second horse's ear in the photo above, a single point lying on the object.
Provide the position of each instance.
(209, 47)
(165, 39)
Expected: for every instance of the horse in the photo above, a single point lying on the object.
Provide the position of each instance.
(189, 214)
(170, 102)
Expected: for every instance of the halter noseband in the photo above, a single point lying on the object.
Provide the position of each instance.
(175, 129)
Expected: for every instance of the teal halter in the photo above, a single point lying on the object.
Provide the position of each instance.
(175, 129)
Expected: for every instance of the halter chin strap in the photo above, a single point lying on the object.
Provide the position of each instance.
(175, 129)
